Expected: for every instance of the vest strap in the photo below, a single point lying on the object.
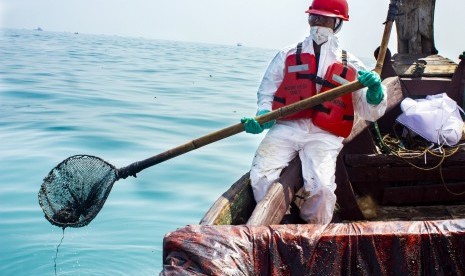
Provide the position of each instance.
(316, 79)
(348, 117)
(297, 53)
(279, 100)
(322, 108)
(344, 62)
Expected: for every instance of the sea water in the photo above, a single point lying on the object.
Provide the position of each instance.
(123, 100)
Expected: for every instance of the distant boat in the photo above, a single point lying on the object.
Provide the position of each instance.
(38, 29)
(239, 44)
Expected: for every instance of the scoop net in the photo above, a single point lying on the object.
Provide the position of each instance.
(75, 190)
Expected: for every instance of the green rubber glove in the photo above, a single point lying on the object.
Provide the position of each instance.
(371, 80)
(269, 124)
(252, 126)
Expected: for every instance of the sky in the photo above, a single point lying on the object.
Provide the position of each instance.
(270, 24)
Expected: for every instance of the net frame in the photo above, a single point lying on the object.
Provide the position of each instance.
(74, 192)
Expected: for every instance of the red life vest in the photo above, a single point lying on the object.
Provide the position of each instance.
(298, 84)
(336, 116)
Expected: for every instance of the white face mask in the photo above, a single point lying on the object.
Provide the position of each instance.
(320, 34)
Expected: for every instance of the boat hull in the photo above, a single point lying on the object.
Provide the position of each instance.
(432, 247)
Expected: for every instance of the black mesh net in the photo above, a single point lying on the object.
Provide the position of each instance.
(73, 192)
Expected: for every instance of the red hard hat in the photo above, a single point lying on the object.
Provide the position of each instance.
(331, 8)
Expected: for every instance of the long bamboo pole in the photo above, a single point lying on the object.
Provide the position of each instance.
(138, 166)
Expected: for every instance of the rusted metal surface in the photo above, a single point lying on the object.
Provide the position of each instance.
(359, 248)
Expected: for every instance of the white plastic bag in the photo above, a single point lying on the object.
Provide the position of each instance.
(436, 118)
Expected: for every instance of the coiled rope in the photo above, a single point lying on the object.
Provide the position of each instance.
(417, 148)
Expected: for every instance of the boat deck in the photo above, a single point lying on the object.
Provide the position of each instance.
(406, 65)
(415, 213)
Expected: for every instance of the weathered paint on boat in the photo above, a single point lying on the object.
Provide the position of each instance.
(419, 227)
(357, 248)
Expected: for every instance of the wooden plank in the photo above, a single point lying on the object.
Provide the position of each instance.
(348, 207)
(414, 26)
(373, 188)
(422, 87)
(404, 174)
(272, 208)
(423, 66)
(233, 207)
(419, 213)
(423, 194)
(456, 211)
(456, 89)
(385, 160)
(360, 139)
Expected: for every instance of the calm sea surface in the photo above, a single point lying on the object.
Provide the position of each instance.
(124, 100)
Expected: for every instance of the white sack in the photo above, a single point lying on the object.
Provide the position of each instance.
(435, 118)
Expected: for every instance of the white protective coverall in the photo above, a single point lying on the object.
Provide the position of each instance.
(317, 148)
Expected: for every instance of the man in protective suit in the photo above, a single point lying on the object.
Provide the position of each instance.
(312, 66)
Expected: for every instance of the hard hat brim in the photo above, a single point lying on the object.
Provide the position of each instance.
(324, 13)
